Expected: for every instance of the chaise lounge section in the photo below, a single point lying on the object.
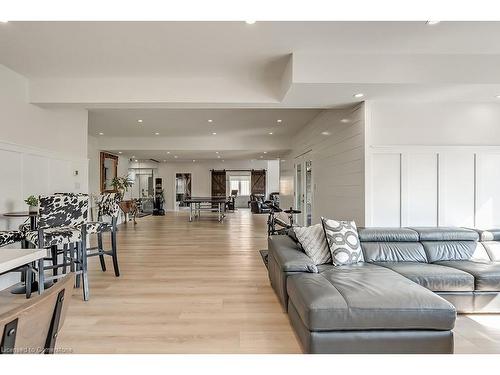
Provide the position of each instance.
(402, 299)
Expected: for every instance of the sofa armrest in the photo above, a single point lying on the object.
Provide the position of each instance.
(288, 255)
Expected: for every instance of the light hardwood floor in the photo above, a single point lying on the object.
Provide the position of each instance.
(201, 287)
(197, 287)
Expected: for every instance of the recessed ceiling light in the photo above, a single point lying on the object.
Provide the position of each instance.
(344, 120)
(359, 95)
(325, 133)
(216, 152)
(194, 160)
(214, 133)
(133, 156)
(250, 22)
(157, 133)
(101, 133)
(432, 22)
(120, 152)
(168, 152)
(265, 152)
(218, 157)
(164, 161)
(261, 156)
(270, 133)
(210, 120)
(136, 160)
(498, 96)
(176, 156)
(279, 121)
(139, 121)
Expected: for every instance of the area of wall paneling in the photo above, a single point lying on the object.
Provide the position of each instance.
(30, 172)
(444, 186)
(334, 142)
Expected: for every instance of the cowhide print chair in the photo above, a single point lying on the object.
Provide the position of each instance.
(8, 237)
(12, 236)
(107, 206)
(61, 229)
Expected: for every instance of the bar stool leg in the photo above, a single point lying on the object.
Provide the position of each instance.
(41, 276)
(78, 263)
(85, 277)
(101, 249)
(114, 252)
(28, 281)
(53, 250)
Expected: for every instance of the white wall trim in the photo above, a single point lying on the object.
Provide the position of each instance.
(30, 150)
(432, 148)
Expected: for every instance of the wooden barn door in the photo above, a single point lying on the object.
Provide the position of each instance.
(258, 182)
(218, 183)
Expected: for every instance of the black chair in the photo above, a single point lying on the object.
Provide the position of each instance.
(61, 229)
(257, 204)
(108, 205)
(230, 204)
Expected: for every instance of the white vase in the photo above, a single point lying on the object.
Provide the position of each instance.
(33, 209)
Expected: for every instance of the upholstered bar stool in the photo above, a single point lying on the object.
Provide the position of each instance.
(108, 205)
(61, 228)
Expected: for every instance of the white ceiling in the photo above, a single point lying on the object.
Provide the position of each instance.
(177, 75)
(226, 123)
(200, 155)
(196, 49)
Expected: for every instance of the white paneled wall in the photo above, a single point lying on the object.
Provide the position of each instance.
(456, 189)
(386, 190)
(26, 171)
(429, 186)
(487, 190)
(419, 187)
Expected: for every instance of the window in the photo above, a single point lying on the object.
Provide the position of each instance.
(240, 183)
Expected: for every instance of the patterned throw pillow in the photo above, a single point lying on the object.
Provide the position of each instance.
(343, 241)
(313, 241)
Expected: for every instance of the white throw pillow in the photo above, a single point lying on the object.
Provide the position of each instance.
(313, 241)
(343, 241)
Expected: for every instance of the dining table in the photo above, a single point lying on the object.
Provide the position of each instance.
(14, 259)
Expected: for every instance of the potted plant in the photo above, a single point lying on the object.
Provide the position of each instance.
(121, 184)
(32, 202)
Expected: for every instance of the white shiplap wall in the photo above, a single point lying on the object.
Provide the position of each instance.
(334, 142)
(431, 164)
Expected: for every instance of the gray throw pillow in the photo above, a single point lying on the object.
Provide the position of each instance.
(313, 241)
(343, 241)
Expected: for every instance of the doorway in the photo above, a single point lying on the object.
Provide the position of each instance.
(304, 191)
(182, 188)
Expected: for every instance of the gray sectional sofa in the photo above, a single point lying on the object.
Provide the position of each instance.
(404, 296)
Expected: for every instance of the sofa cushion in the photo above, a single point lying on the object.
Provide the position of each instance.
(446, 234)
(493, 250)
(313, 241)
(486, 274)
(366, 296)
(343, 241)
(393, 252)
(489, 235)
(289, 255)
(433, 276)
(375, 234)
(449, 250)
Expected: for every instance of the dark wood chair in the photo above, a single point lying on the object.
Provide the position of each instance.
(31, 326)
